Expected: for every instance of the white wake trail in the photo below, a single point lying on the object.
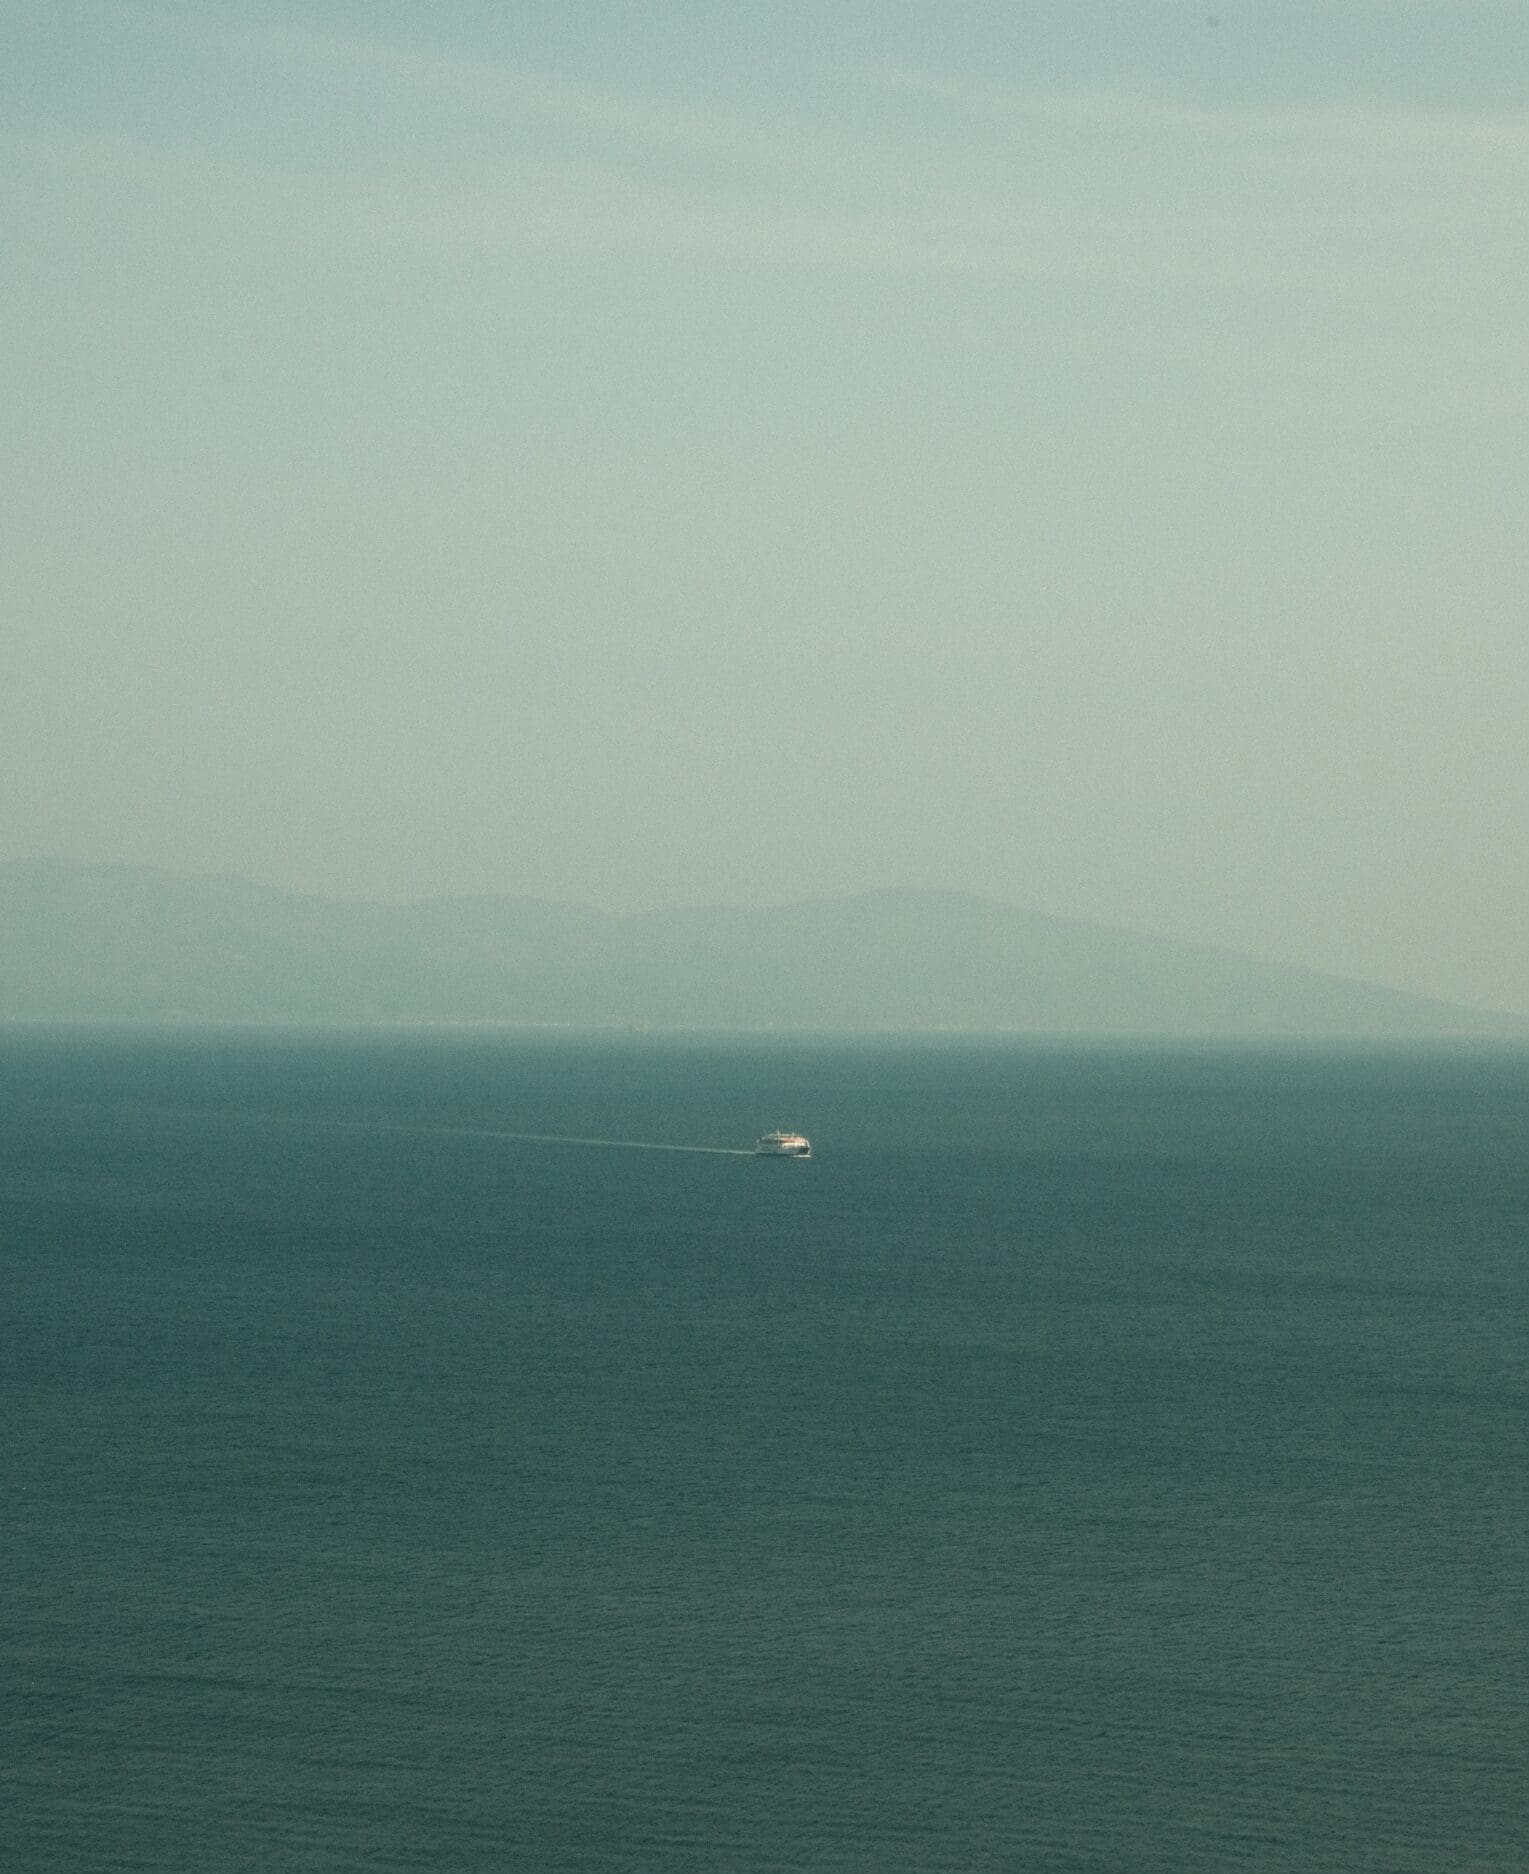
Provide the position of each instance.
(623, 1145)
(540, 1138)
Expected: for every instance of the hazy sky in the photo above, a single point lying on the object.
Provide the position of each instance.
(656, 452)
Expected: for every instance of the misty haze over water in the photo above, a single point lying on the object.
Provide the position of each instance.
(586, 584)
(1066, 454)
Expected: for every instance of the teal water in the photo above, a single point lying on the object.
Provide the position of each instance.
(1092, 1460)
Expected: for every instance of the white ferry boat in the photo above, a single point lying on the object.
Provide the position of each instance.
(784, 1145)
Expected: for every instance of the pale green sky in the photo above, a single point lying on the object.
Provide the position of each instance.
(660, 453)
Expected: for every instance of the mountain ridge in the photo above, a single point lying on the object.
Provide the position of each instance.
(141, 943)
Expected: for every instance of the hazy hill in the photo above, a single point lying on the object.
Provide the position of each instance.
(110, 942)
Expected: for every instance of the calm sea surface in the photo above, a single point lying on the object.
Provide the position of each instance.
(1093, 1460)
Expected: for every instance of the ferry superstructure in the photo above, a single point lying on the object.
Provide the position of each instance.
(784, 1145)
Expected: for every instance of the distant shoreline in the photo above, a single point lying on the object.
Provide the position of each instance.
(1506, 1040)
(119, 944)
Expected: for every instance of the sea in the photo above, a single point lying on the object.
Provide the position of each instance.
(1096, 1460)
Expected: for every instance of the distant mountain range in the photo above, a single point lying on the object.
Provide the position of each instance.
(81, 942)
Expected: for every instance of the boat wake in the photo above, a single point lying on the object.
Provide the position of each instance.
(622, 1145)
(538, 1138)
